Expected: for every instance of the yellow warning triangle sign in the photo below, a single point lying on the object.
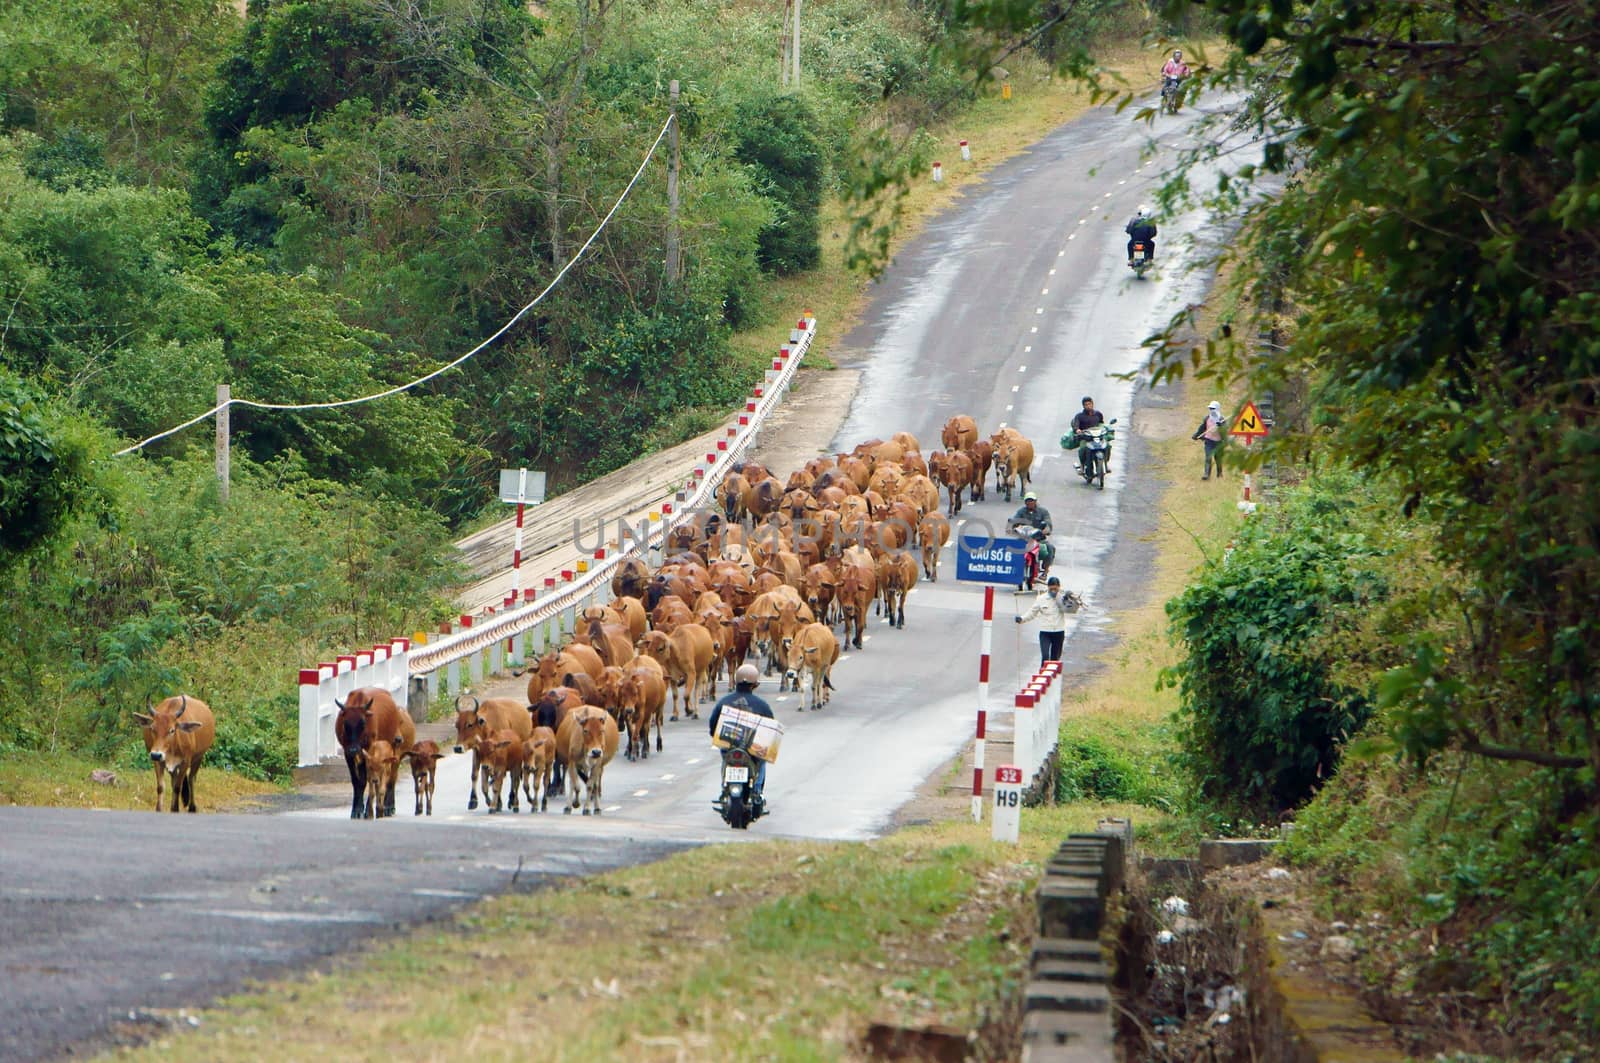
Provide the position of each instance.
(1249, 423)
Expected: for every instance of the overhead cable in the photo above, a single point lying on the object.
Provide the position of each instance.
(501, 331)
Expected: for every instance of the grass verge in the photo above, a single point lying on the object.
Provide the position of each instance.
(779, 950)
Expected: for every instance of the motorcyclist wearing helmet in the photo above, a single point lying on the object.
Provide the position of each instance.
(1175, 67)
(1082, 421)
(1032, 515)
(745, 681)
(1141, 229)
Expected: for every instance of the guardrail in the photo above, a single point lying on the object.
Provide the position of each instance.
(549, 616)
(1037, 716)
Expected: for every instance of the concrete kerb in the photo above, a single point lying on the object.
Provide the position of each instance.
(1067, 1003)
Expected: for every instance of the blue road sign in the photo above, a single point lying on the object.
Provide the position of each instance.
(981, 559)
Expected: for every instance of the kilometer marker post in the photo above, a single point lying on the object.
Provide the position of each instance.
(983, 703)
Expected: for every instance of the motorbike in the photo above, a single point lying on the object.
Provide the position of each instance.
(1171, 94)
(1094, 451)
(1143, 260)
(740, 803)
(1037, 559)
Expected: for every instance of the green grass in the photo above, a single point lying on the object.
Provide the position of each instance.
(63, 780)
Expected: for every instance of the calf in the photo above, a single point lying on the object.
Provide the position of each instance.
(177, 734)
(503, 757)
(538, 758)
(586, 743)
(383, 765)
(475, 725)
(424, 759)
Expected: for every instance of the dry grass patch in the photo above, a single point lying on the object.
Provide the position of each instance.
(63, 780)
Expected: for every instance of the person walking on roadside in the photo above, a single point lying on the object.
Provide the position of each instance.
(1052, 607)
(1210, 430)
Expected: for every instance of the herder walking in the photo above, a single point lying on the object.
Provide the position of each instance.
(1210, 430)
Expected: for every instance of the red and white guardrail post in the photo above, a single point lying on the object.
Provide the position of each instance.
(983, 704)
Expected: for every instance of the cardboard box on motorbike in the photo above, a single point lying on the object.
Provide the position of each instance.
(747, 730)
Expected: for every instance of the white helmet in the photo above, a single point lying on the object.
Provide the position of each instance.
(747, 673)
(1141, 211)
(1177, 53)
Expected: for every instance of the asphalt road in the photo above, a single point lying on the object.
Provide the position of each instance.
(1009, 307)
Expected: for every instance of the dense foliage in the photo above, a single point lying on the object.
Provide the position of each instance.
(1264, 716)
(1430, 253)
(325, 198)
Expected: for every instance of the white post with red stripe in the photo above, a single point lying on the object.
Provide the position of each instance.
(983, 704)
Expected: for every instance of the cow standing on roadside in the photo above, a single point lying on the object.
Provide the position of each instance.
(177, 734)
(370, 714)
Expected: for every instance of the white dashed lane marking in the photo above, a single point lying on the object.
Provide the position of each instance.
(1016, 387)
(641, 793)
(1022, 369)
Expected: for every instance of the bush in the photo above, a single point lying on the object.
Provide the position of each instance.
(1263, 718)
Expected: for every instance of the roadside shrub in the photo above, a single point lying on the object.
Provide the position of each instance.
(1262, 717)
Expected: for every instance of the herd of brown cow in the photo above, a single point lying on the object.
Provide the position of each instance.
(782, 565)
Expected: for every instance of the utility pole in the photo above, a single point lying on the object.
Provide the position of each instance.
(794, 50)
(224, 399)
(674, 265)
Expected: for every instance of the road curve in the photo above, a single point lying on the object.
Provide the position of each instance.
(1009, 307)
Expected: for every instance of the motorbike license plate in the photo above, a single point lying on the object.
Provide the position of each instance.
(736, 775)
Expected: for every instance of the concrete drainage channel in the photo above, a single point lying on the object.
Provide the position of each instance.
(1146, 961)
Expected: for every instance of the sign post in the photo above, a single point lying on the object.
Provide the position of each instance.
(1251, 426)
(980, 559)
(1007, 803)
(523, 488)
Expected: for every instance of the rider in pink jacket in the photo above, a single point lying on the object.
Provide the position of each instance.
(1175, 67)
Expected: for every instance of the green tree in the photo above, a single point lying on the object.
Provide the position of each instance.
(778, 140)
(44, 471)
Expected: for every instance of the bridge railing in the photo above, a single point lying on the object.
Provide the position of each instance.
(1037, 720)
(482, 642)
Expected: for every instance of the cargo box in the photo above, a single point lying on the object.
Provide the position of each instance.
(747, 730)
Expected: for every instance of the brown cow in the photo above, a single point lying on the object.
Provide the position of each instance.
(475, 725)
(643, 698)
(953, 470)
(503, 757)
(921, 492)
(982, 455)
(369, 714)
(906, 440)
(424, 757)
(763, 498)
(630, 579)
(808, 660)
(383, 768)
(820, 585)
(586, 743)
(610, 642)
(858, 586)
(1013, 459)
(932, 533)
(538, 759)
(177, 734)
(629, 612)
(730, 492)
(959, 432)
(897, 573)
(685, 657)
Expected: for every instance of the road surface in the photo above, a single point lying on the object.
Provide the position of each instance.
(1009, 307)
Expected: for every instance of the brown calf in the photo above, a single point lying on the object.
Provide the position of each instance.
(424, 757)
